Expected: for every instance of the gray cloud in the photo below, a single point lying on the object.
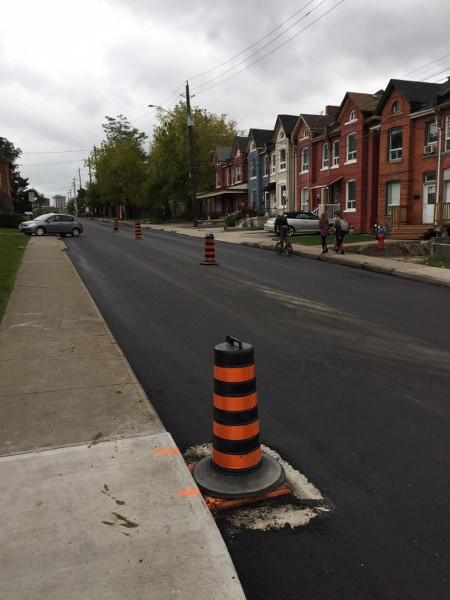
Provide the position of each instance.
(76, 62)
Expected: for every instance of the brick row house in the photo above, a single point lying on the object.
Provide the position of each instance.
(230, 193)
(414, 173)
(382, 159)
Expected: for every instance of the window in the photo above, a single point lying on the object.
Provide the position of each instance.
(283, 194)
(350, 195)
(395, 143)
(272, 167)
(304, 197)
(447, 133)
(238, 173)
(305, 133)
(325, 156)
(351, 147)
(217, 179)
(252, 146)
(431, 132)
(266, 164)
(282, 155)
(253, 167)
(352, 116)
(253, 197)
(395, 107)
(392, 195)
(281, 135)
(228, 176)
(336, 153)
(304, 158)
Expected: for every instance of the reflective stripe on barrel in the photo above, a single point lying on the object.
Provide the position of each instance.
(236, 444)
(209, 249)
(137, 231)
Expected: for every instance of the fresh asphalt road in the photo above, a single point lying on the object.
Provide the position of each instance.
(352, 375)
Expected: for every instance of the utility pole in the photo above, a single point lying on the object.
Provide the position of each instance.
(190, 124)
(75, 198)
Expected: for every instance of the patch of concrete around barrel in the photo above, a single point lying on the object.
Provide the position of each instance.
(264, 478)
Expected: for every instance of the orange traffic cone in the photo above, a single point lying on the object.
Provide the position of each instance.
(137, 231)
(116, 225)
(237, 468)
(209, 251)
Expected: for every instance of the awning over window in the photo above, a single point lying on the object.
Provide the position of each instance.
(269, 187)
(332, 179)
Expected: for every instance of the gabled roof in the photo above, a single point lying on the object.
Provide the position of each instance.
(223, 153)
(315, 123)
(260, 136)
(288, 122)
(241, 142)
(418, 94)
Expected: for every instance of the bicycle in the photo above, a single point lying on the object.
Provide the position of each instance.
(285, 247)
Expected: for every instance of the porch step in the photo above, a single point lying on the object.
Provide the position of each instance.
(410, 232)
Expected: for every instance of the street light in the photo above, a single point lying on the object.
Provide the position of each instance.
(190, 125)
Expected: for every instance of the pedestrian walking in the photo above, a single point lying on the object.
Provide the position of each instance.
(340, 230)
(324, 228)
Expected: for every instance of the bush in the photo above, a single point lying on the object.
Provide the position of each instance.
(11, 220)
(232, 219)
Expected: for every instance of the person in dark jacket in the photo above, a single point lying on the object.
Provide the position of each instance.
(281, 228)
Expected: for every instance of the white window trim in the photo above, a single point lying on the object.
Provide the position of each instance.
(351, 208)
(253, 160)
(302, 170)
(350, 161)
(334, 157)
(282, 168)
(350, 120)
(325, 163)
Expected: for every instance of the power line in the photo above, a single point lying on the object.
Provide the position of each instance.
(255, 43)
(197, 89)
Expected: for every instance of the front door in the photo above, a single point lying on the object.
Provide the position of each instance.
(429, 200)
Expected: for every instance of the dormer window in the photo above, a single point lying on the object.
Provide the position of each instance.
(305, 133)
(395, 107)
(252, 146)
(281, 135)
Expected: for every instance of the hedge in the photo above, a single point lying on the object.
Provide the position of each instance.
(11, 220)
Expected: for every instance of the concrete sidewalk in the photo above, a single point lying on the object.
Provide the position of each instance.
(261, 239)
(96, 500)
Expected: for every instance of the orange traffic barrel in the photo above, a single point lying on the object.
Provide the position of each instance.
(210, 258)
(237, 467)
(137, 231)
(116, 225)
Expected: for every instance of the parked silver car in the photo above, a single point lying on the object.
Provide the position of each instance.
(52, 223)
(299, 221)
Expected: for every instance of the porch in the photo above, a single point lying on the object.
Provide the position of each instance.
(401, 229)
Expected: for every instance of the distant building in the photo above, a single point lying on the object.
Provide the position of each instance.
(59, 201)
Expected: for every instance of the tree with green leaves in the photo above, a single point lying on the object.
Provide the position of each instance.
(18, 184)
(119, 166)
(168, 173)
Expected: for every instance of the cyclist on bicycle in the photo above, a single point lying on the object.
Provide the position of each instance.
(281, 228)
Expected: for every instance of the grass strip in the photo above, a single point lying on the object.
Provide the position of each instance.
(12, 246)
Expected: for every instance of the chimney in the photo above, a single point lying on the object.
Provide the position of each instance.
(331, 110)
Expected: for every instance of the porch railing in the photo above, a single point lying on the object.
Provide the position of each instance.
(398, 214)
(328, 209)
(442, 212)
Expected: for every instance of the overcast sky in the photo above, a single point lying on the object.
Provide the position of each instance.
(67, 64)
